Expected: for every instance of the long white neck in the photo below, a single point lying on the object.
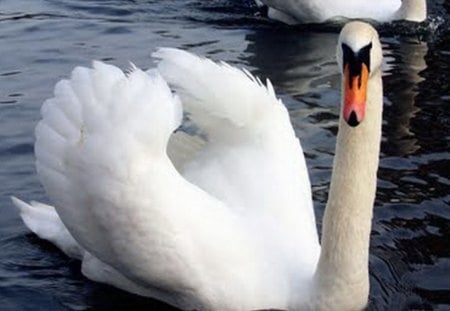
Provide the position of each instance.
(412, 10)
(341, 281)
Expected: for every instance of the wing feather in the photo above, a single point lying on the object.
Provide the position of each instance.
(94, 136)
(252, 158)
(224, 101)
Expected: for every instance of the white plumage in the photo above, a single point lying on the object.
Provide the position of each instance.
(218, 221)
(319, 11)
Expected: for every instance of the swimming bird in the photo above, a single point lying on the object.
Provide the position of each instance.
(318, 11)
(222, 220)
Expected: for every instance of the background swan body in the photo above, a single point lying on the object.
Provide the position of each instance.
(223, 222)
(309, 11)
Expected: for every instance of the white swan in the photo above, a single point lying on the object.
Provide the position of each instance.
(318, 11)
(235, 230)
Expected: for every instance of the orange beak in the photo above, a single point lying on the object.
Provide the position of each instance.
(355, 95)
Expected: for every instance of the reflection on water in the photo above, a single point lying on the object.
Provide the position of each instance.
(294, 62)
(41, 43)
(413, 216)
(402, 82)
(407, 63)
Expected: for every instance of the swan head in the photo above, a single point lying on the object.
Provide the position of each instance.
(359, 56)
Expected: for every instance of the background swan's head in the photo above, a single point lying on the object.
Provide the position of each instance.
(359, 56)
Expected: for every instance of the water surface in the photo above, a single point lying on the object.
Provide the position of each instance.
(42, 40)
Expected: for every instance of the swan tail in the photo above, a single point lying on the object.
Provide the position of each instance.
(224, 101)
(43, 220)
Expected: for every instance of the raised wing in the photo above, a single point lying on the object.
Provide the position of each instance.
(93, 138)
(252, 158)
(101, 156)
(222, 100)
(100, 150)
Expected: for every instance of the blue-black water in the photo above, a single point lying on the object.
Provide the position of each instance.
(42, 40)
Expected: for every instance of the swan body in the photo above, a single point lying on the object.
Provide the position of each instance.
(312, 11)
(219, 221)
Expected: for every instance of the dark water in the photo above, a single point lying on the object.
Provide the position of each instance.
(42, 40)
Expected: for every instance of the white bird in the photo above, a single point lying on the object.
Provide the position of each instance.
(226, 221)
(318, 11)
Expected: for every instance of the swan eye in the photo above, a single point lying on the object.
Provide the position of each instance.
(355, 60)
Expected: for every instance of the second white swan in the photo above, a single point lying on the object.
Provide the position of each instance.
(319, 11)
